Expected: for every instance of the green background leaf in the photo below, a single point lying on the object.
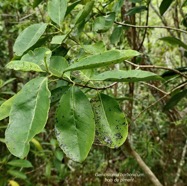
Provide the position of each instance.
(20, 163)
(136, 10)
(17, 174)
(85, 12)
(174, 41)
(75, 126)
(28, 38)
(173, 101)
(103, 23)
(165, 4)
(57, 10)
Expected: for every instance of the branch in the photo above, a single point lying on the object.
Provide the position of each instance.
(162, 27)
(145, 31)
(94, 88)
(142, 164)
(157, 101)
(157, 67)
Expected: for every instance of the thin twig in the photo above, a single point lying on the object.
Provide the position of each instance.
(157, 67)
(145, 31)
(94, 88)
(181, 163)
(162, 27)
(160, 99)
(152, 86)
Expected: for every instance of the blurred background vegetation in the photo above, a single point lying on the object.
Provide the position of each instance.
(158, 135)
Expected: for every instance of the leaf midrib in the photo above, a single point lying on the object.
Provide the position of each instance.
(33, 111)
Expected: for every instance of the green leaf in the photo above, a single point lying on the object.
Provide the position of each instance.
(104, 23)
(103, 59)
(184, 21)
(111, 125)
(116, 34)
(17, 174)
(58, 39)
(126, 76)
(136, 10)
(36, 3)
(75, 126)
(8, 81)
(173, 101)
(85, 12)
(20, 163)
(96, 48)
(165, 4)
(174, 41)
(135, 1)
(29, 37)
(170, 73)
(28, 116)
(38, 56)
(23, 66)
(57, 10)
(57, 66)
(72, 6)
(6, 106)
(57, 93)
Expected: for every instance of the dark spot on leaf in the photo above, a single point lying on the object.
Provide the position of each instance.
(118, 136)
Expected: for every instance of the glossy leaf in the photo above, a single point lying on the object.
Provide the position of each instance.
(85, 12)
(5, 107)
(58, 39)
(57, 10)
(111, 125)
(57, 66)
(28, 38)
(20, 163)
(23, 66)
(38, 56)
(126, 76)
(28, 116)
(165, 4)
(104, 23)
(136, 10)
(174, 41)
(17, 174)
(173, 101)
(103, 59)
(75, 127)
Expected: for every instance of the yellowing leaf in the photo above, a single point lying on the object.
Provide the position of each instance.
(24, 66)
(13, 183)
